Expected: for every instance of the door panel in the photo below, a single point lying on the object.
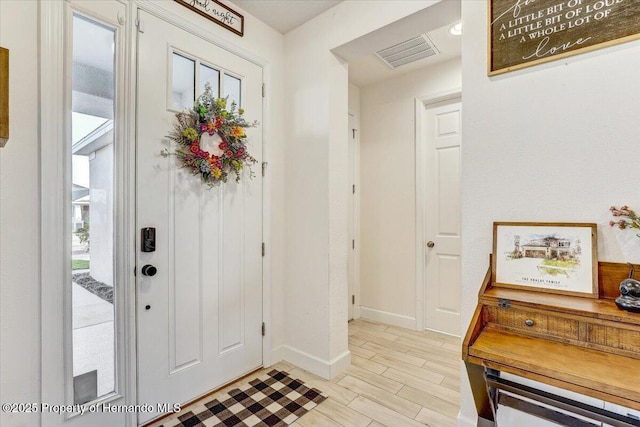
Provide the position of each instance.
(200, 316)
(443, 219)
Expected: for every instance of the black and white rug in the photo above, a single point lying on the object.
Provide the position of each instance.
(273, 399)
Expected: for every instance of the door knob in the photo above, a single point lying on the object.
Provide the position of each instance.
(149, 270)
(430, 244)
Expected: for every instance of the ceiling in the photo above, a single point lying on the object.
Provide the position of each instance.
(285, 15)
(370, 69)
(365, 67)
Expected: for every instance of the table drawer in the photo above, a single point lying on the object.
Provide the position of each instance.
(615, 337)
(535, 322)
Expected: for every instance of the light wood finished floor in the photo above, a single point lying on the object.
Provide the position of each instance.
(397, 378)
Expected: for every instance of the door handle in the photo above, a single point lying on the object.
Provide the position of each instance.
(430, 244)
(149, 270)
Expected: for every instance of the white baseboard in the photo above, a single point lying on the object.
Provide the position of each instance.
(274, 356)
(388, 318)
(324, 368)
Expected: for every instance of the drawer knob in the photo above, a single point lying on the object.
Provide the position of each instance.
(528, 322)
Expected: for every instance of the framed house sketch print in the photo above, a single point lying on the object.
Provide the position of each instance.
(559, 258)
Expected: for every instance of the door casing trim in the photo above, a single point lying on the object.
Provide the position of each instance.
(55, 298)
(420, 103)
(52, 174)
(268, 356)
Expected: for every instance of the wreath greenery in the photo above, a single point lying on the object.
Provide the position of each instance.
(210, 116)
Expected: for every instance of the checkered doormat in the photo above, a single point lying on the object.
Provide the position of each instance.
(273, 399)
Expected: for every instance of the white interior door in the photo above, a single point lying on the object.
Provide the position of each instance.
(200, 317)
(443, 218)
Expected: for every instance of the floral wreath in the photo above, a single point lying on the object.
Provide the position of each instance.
(210, 116)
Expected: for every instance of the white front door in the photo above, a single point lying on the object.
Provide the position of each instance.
(443, 218)
(200, 316)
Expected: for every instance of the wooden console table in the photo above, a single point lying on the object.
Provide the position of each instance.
(585, 345)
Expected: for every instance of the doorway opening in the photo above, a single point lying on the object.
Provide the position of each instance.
(421, 60)
(200, 309)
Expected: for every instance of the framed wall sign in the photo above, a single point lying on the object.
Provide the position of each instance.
(523, 33)
(218, 13)
(547, 257)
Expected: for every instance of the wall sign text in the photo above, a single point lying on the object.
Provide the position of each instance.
(218, 13)
(527, 32)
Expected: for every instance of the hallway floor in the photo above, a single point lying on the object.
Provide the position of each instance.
(397, 378)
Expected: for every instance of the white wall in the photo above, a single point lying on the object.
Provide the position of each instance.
(388, 203)
(316, 186)
(20, 194)
(20, 217)
(101, 209)
(556, 142)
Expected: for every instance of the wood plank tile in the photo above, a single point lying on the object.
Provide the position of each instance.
(342, 414)
(387, 384)
(375, 367)
(338, 377)
(453, 347)
(428, 400)
(438, 355)
(370, 324)
(396, 354)
(414, 371)
(376, 424)
(421, 337)
(442, 351)
(362, 352)
(446, 370)
(371, 339)
(432, 418)
(316, 419)
(452, 383)
(334, 391)
(355, 341)
(383, 397)
(436, 390)
(443, 337)
(282, 366)
(382, 414)
(377, 337)
(419, 344)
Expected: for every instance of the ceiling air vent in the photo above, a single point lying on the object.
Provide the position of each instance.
(408, 51)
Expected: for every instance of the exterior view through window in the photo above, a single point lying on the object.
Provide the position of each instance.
(92, 200)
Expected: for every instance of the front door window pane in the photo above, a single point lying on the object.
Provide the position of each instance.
(183, 85)
(211, 76)
(232, 89)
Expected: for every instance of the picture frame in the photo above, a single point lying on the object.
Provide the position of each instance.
(559, 258)
(527, 33)
(217, 12)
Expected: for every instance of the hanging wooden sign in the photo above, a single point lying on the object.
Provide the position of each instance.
(218, 13)
(523, 33)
